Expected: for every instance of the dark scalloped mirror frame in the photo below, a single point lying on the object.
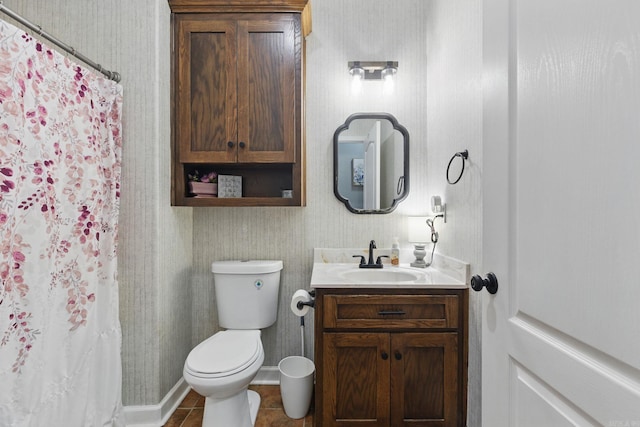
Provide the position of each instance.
(397, 126)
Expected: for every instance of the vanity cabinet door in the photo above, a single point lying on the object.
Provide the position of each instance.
(424, 380)
(355, 376)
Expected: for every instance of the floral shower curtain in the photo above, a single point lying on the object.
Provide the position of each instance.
(60, 147)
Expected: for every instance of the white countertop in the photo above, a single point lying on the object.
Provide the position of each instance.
(335, 268)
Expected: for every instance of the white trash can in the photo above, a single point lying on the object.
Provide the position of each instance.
(296, 385)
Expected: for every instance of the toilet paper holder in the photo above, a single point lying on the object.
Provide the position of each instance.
(301, 304)
(311, 303)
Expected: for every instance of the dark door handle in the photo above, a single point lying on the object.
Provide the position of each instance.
(384, 355)
(230, 144)
(491, 283)
(398, 355)
(242, 144)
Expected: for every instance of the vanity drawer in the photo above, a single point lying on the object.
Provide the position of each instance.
(368, 311)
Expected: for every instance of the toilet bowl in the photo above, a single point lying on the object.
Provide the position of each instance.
(220, 369)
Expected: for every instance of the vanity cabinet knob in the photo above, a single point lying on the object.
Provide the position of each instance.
(242, 144)
(398, 355)
(384, 355)
(230, 144)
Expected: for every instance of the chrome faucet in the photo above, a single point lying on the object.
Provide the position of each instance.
(371, 264)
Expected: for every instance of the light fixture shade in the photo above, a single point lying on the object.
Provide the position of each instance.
(389, 71)
(418, 230)
(357, 72)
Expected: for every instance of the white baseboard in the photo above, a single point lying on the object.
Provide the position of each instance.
(267, 375)
(157, 415)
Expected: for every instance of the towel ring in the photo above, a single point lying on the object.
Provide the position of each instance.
(400, 186)
(462, 154)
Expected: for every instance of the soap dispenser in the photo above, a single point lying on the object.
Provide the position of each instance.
(395, 253)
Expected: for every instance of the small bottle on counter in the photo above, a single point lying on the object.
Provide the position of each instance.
(395, 253)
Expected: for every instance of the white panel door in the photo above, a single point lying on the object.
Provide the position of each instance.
(561, 213)
(371, 196)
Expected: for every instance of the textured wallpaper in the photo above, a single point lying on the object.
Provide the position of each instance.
(454, 121)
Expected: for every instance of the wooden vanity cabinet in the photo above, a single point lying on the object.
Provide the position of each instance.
(391, 357)
(238, 98)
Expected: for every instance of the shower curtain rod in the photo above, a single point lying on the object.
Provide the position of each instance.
(113, 75)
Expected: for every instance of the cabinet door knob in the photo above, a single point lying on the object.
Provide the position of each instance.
(230, 144)
(242, 144)
(384, 355)
(398, 355)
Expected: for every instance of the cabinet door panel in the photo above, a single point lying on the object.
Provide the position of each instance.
(207, 92)
(424, 379)
(266, 88)
(356, 379)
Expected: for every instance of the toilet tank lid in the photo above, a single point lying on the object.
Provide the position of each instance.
(246, 267)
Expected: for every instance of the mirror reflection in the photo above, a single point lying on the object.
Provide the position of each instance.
(371, 163)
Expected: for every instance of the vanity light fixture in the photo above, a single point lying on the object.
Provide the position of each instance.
(418, 235)
(373, 70)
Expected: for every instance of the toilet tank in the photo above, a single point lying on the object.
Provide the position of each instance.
(246, 293)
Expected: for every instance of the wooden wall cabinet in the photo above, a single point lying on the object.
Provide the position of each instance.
(238, 99)
(391, 357)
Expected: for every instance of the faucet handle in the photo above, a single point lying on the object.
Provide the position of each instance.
(362, 261)
(379, 260)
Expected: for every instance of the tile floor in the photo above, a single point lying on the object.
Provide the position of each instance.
(271, 413)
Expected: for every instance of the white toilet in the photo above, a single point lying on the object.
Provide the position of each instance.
(221, 367)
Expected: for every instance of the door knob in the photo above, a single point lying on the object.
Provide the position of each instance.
(230, 144)
(398, 355)
(242, 144)
(384, 355)
(491, 283)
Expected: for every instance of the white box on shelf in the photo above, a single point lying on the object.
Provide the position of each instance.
(229, 186)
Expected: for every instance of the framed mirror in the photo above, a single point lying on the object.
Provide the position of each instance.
(371, 163)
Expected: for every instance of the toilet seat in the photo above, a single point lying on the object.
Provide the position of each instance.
(224, 354)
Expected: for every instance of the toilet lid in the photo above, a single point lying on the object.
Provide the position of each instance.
(225, 353)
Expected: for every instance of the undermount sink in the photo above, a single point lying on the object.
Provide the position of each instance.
(392, 275)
